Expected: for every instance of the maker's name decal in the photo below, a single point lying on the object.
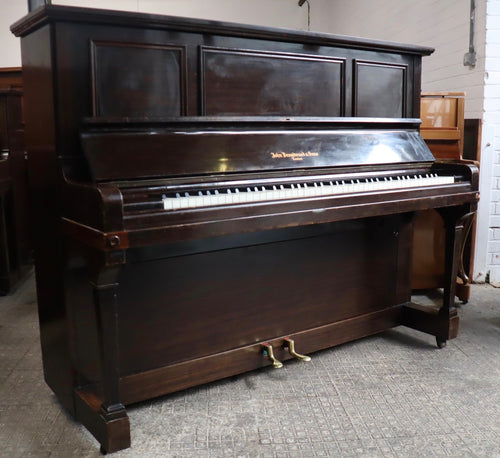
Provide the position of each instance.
(293, 156)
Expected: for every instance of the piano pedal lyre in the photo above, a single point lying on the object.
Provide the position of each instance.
(268, 351)
(290, 345)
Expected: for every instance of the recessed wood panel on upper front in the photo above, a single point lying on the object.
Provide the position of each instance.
(246, 83)
(138, 80)
(380, 89)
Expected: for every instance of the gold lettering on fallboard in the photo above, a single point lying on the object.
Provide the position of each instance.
(299, 156)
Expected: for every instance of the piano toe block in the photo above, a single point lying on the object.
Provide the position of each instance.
(431, 320)
(112, 433)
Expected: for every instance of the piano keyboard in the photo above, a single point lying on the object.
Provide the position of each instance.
(242, 194)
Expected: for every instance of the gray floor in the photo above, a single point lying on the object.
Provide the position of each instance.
(391, 395)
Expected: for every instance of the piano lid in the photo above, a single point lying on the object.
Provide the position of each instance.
(61, 13)
(139, 149)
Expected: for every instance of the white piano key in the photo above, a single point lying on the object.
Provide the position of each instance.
(167, 203)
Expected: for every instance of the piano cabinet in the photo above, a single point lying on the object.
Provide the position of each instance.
(313, 142)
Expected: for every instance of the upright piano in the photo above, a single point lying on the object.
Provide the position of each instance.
(213, 198)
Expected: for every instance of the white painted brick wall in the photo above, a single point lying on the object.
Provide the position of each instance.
(491, 120)
(441, 24)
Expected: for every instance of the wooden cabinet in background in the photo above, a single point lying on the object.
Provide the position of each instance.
(15, 246)
(11, 78)
(442, 127)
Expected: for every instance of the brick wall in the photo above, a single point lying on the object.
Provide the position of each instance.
(441, 24)
(491, 120)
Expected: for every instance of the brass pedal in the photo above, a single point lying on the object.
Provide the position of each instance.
(290, 344)
(268, 351)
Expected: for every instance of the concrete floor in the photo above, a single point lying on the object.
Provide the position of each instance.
(392, 395)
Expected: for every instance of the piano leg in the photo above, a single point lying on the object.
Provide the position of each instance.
(103, 414)
(463, 286)
(457, 226)
(443, 322)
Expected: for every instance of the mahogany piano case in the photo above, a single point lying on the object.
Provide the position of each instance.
(213, 198)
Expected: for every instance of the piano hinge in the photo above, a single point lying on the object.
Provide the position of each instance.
(104, 241)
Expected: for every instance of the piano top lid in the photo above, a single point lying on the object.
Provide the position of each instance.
(56, 13)
(276, 122)
(142, 149)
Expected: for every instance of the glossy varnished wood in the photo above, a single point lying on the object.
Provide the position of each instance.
(136, 303)
(176, 377)
(197, 147)
(44, 194)
(11, 78)
(245, 291)
(184, 55)
(443, 123)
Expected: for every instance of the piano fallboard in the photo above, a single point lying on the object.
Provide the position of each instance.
(197, 147)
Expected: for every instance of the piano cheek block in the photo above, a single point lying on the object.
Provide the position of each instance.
(195, 227)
